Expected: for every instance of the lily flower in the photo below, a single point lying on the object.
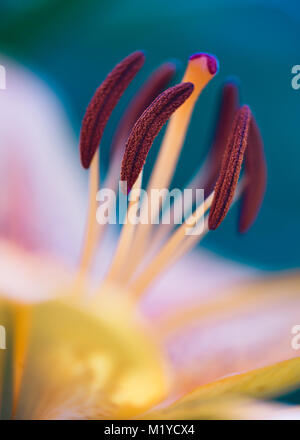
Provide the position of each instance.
(164, 333)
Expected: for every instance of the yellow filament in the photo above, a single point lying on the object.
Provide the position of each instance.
(111, 182)
(189, 243)
(90, 235)
(193, 240)
(183, 247)
(126, 237)
(158, 264)
(164, 229)
(198, 73)
(21, 337)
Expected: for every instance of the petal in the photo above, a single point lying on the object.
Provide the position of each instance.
(228, 409)
(41, 192)
(89, 364)
(210, 400)
(199, 277)
(248, 328)
(27, 278)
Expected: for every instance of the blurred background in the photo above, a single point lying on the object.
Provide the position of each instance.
(73, 44)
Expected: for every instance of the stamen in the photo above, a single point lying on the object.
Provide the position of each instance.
(147, 127)
(148, 92)
(256, 174)
(193, 240)
(208, 174)
(211, 62)
(228, 108)
(126, 237)
(199, 72)
(231, 167)
(177, 246)
(103, 102)
(91, 227)
(165, 255)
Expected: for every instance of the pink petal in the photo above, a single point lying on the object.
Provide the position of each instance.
(198, 277)
(249, 329)
(41, 187)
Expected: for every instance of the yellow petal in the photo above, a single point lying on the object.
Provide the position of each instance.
(233, 408)
(262, 383)
(89, 364)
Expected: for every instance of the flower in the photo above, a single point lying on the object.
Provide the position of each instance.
(78, 348)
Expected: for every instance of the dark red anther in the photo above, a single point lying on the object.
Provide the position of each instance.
(103, 102)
